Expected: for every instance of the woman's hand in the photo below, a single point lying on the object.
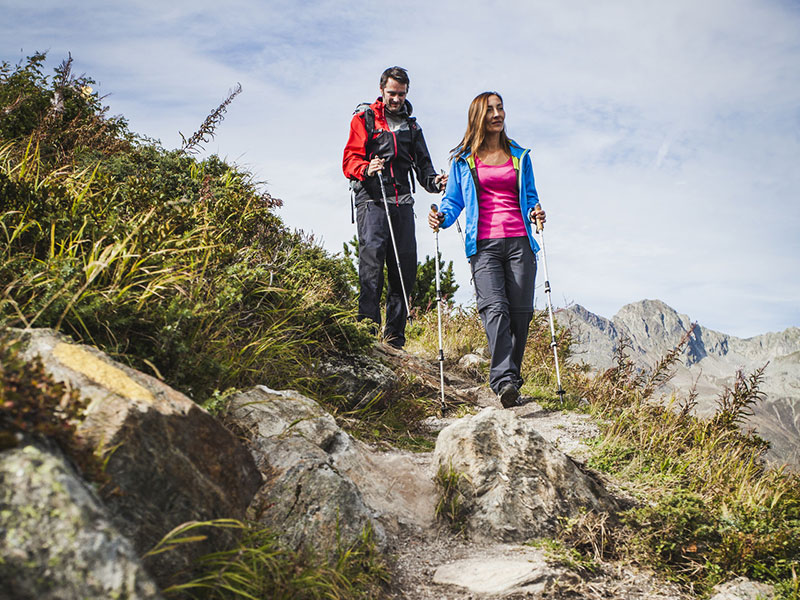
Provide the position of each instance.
(435, 219)
(538, 217)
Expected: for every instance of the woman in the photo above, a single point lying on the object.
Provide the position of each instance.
(492, 178)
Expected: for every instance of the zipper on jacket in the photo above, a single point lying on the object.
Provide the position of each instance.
(391, 170)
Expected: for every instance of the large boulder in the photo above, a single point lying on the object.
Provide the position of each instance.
(56, 538)
(320, 484)
(168, 460)
(519, 485)
(305, 499)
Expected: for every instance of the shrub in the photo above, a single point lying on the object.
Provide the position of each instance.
(259, 566)
(174, 265)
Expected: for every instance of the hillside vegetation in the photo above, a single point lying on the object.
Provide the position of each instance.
(176, 265)
(181, 268)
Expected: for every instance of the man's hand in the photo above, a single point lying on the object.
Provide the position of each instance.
(375, 165)
(435, 219)
(441, 181)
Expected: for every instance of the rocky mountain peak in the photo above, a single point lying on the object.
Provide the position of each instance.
(709, 363)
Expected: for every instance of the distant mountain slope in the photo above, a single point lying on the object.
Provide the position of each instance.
(709, 362)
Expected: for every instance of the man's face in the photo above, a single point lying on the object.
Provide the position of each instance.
(394, 95)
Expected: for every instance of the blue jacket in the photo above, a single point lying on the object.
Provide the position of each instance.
(461, 193)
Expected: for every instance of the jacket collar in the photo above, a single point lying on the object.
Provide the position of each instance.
(516, 150)
(379, 107)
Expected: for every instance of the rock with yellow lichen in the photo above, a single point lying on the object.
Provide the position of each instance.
(167, 461)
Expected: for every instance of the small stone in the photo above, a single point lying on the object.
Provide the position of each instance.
(742, 588)
(526, 569)
(472, 363)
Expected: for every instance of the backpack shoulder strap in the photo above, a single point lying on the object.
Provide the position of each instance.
(369, 116)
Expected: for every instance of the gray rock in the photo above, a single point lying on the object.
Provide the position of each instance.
(520, 483)
(169, 461)
(519, 571)
(56, 538)
(305, 500)
(304, 497)
(396, 485)
(742, 588)
(473, 364)
(362, 380)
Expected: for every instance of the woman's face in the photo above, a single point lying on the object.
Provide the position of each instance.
(495, 115)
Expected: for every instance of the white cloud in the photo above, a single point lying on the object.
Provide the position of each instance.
(665, 135)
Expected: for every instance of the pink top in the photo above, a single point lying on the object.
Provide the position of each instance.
(499, 215)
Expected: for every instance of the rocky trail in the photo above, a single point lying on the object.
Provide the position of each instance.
(279, 459)
(432, 562)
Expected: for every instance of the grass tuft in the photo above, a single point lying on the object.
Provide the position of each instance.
(258, 566)
(455, 489)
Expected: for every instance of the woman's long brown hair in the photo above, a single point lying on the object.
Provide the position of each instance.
(476, 128)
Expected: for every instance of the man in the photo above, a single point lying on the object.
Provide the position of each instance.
(386, 142)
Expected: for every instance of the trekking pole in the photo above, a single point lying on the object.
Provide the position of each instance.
(394, 245)
(439, 312)
(553, 343)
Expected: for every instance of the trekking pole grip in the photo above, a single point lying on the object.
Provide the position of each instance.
(435, 209)
(536, 220)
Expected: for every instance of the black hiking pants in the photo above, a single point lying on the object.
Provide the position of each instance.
(375, 250)
(504, 271)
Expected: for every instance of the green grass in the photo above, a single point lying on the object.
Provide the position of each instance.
(708, 507)
(178, 267)
(455, 489)
(558, 553)
(395, 419)
(258, 566)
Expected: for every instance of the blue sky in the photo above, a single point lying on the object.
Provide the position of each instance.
(665, 136)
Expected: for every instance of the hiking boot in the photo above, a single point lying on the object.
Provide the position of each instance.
(394, 342)
(509, 395)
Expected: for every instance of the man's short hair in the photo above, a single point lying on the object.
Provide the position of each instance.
(399, 74)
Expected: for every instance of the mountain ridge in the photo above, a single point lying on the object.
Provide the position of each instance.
(708, 365)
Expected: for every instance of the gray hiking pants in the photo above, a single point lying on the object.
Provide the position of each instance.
(504, 271)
